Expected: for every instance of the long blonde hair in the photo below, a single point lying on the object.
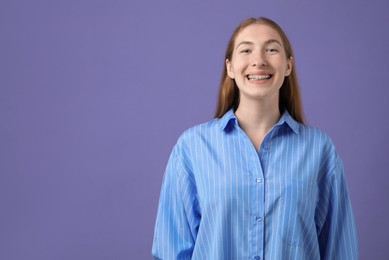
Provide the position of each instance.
(289, 98)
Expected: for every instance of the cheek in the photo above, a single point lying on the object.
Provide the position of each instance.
(283, 68)
(239, 65)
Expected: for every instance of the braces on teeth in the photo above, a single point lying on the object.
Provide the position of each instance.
(258, 77)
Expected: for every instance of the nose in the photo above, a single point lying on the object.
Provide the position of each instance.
(259, 60)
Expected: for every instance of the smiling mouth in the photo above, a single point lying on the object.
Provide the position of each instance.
(258, 77)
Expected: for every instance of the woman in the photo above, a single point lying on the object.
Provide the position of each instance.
(255, 182)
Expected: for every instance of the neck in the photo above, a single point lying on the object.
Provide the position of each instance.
(257, 116)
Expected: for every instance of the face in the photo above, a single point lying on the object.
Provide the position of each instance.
(259, 64)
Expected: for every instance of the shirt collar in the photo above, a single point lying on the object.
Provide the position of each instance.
(286, 118)
(226, 118)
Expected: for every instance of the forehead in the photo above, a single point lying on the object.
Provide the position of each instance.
(257, 33)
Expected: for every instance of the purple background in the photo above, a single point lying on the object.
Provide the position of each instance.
(94, 94)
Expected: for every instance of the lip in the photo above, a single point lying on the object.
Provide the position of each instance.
(255, 73)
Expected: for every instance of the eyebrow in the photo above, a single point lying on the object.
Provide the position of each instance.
(266, 42)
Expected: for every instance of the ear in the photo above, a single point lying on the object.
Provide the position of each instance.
(289, 66)
(229, 69)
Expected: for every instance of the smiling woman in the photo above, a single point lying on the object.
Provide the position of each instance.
(255, 182)
(289, 96)
(258, 65)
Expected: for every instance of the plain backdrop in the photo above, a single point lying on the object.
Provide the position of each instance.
(95, 93)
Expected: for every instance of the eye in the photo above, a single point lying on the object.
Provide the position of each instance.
(245, 51)
(271, 50)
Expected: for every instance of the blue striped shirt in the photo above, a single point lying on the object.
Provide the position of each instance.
(223, 199)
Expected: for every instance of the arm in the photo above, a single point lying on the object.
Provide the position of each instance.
(334, 217)
(177, 218)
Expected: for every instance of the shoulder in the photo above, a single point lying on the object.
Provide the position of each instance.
(210, 130)
(323, 146)
(194, 141)
(315, 136)
(305, 135)
(199, 132)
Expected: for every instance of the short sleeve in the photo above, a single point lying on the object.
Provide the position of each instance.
(178, 214)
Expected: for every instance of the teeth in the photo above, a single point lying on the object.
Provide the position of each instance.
(258, 77)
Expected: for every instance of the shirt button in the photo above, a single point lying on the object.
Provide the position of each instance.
(259, 180)
(258, 219)
(257, 258)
